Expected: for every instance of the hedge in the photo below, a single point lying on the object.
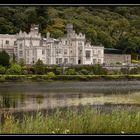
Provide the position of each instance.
(5, 78)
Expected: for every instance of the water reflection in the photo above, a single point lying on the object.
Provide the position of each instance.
(37, 96)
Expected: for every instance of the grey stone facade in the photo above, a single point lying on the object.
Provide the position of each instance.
(73, 48)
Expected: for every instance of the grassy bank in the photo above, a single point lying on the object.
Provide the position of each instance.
(7, 78)
(71, 122)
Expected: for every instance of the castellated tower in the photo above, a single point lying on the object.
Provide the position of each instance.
(34, 29)
(69, 29)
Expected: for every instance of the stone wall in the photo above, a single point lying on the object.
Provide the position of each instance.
(117, 58)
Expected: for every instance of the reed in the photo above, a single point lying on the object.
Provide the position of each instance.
(87, 121)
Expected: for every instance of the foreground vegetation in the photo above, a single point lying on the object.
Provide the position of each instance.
(86, 121)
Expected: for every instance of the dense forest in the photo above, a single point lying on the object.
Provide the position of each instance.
(114, 27)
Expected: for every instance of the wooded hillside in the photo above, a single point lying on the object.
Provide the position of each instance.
(114, 27)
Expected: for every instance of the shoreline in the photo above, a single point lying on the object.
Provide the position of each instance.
(46, 78)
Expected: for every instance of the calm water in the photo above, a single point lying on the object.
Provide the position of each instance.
(16, 97)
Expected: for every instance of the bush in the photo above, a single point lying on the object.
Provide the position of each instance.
(55, 69)
(14, 69)
(135, 70)
(50, 75)
(2, 69)
(30, 70)
(124, 71)
(71, 72)
(24, 70)
(58, 71)
(99, 70)
(84, 72)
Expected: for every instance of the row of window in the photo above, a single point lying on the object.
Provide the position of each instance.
(7, 42)
(60, 60)
(95, 61)
(88, 53)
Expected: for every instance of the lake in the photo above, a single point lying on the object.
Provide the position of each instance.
(37, 96)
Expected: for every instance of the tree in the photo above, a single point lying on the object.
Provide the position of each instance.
(2, 69)
(4, 58)
(14, 58)
(39, 67)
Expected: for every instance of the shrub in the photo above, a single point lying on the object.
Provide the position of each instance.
(24, 70)
(50, 75)
(135, 70)
(2, 69)
(124, 70)
(30, 70)
(99, 70)
(58, 71)
(71, 72)
(55, 69)
(84, 72)
(14, 69)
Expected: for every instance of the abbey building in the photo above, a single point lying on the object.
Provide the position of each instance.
(70, 49)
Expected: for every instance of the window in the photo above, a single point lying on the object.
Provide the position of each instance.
(20, 46)
(59, 51)
(48, 45)
(47, 61)
(65, 60)
(48, 52)
(20, 53)
(94, 52)
(27, 60)
(33, 60)
(70, 51)
(79, 43)
(99, 61)
(60, 60)
(33, 52)
(65, 52)
(80, 50)
(43, 52)
(27, 53)
(71, 60)
(15, 43)
(99, 51)
(57, 61)
(7, 42)
(94, 61)
(87, 54)
(66, 42)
